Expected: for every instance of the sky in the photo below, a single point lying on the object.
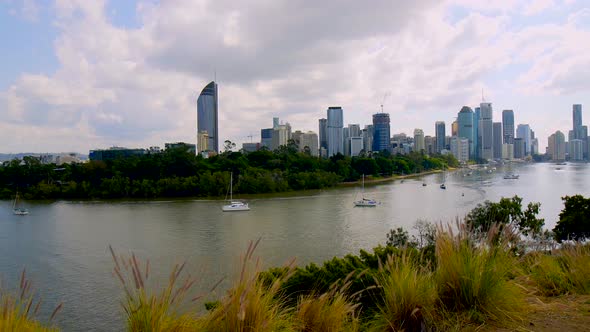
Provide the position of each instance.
(77, 75)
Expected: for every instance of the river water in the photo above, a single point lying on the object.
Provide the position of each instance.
(64, 245)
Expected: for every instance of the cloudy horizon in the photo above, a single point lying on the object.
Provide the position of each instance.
(79, 75)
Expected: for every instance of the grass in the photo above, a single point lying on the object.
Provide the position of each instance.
(473, 279)
(332, 311)
(18, 312)
(408, 297)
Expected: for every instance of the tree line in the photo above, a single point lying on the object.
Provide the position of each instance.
(177, 173)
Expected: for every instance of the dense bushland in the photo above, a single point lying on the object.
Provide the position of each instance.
(176, 173)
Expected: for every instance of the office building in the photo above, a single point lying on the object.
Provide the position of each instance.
(356, 146)
(280, 136)
(250, 147)
(465, 130)
(203, 141)
(430, 145)
(460, 148)
(266, 138)
(308, 142)
(455, 128)
(323, 130)
(508, 150)
(439, 133)
(519, 148)
(508, 126)
(381, 132)
(368, 134)
(556, 146)
(497, 129)
(486, 131)
(275, 122)
(476, 138)
(524, 131)
(334, 131)
(207, 116)
(419, 140)
(576, 152)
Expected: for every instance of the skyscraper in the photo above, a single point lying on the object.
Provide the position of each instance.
(368, 134)
(524, 131)
(460, 148)
(207, 116)
(381, 132)
(556, 149)
(497, 129)
(508, 126)
(418, 140)
(577, 117)
(323, 133)
(439, 133)
(476, 138)
(334, 126)
(465, 120)
(266, 137)
(486, 131)
(455, 128)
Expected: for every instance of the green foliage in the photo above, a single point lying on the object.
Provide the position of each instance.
(178, 173)
(399, 238)
(506, 212)
(574, 219)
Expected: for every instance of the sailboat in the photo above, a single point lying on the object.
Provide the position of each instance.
(365, 202)
(234, 205)
(16, 210)
(443, 186)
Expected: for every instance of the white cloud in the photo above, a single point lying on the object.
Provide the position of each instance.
(138, 87)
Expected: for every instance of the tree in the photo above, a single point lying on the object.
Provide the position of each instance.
(506, 212)
(399, 238)
(574, 219)
(228, 145)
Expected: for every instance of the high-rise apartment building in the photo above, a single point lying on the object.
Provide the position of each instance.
(455, 128)
(207, 116)
(381, 132)
(497, 129)
(579, 130)
(439, 133)
(556, 149)
(356, 146)
(576, 151)
(334, 133)
(418, 140)
(508, 126)
(486, 131)
(368, 134)
(280, 136)
(430, 145)
(519, 148)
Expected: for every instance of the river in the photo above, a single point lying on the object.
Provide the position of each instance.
(64, 245)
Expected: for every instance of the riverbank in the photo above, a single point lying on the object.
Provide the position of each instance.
(371, 180)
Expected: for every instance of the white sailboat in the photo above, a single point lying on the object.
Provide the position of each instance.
(16, 210)
(234, 205)
(365, 202)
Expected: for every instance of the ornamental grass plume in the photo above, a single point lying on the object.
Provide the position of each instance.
(18, 312)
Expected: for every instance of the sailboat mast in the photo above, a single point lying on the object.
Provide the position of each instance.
(231, 186)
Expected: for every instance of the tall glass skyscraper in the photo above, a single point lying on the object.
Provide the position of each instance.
(508, 126)
(497, 129)
(465, 120)
(577, 117)
(335, 123)
(323, 133)
(440, 133)
(476, 138)
(381, 132)
(207, 115)
(486, 131)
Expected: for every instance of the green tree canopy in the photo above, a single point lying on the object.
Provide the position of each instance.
(574, 219)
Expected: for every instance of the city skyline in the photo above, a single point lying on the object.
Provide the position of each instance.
(83, 75)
